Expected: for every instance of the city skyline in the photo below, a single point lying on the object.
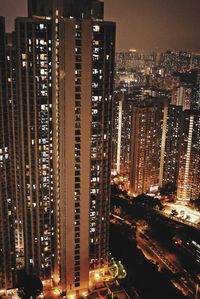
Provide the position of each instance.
(141, 24)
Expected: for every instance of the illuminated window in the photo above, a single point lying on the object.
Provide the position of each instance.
(96, 28)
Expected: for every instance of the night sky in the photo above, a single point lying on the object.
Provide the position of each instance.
(141, 24)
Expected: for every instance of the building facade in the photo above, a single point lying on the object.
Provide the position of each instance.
(172, 131)
(8, 201)
(60, 64)
(189, 170)
(182, 96)
(34, 85)
(103, 52)
(146, 138)
(122, 116)
(86, 65)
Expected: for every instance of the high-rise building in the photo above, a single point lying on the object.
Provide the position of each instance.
(171, 142)
(182, 96)
(189, 169)
(60, 74)
(75, 62)
(84, 60)
(146, 137)
(186, 94)
(195, 97)
(121, 132)
(15, 148)
(8, 205)
(78, 9)
(34, 86)
(103, 48)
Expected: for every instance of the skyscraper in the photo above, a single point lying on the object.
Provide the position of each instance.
(182, 96)
(189, 170)
(78, 9)
(61, 69)
(122, 114)
(146, 136)
(8, 205)
(172, 144)
(75, 61)
(86, 65)
(15, 149)
(101, 130)
(34, 86)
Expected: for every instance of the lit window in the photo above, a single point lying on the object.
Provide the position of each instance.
(96, 28)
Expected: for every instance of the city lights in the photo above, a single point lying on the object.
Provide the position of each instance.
(99, 150)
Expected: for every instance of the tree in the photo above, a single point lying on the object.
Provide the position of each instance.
(30, 286)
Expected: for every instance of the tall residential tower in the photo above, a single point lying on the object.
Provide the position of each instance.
(34, 85)
(86, 67)
(189, 169)
(146, 136)
(9, 233)
(60, 73)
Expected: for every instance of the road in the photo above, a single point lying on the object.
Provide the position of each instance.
(165, 259)
(169, 261)
(148, 247)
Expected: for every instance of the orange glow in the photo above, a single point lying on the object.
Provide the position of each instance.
(96, 276)
(56, 292)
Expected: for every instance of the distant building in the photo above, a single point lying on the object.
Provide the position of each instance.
(172, 135)
(122, 132)
(182, 96)
(195, 97)
(146, 137)
(189, 170)
(187, 93)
